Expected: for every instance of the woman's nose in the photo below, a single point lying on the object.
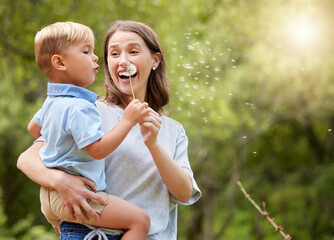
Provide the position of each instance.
(124, 62)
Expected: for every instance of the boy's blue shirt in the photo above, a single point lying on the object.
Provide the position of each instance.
(70, 121)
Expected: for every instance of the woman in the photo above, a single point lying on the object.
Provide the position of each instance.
(151, 167)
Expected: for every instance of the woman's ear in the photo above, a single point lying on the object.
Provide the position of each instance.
(57, 62)
(156, 58)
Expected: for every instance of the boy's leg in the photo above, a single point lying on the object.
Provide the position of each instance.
(120, 214)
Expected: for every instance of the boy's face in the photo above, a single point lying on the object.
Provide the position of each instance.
(81, 63)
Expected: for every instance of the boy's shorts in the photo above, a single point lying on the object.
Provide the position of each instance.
(54, 209)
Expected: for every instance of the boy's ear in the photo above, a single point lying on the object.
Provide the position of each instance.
(57, 62)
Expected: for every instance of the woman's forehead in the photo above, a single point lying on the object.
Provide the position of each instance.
(120, 38)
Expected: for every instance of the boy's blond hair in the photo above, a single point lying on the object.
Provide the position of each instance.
(55, 39)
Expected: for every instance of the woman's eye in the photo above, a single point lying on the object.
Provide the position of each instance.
(85, 52)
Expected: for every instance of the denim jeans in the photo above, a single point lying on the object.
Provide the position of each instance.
(74, 231)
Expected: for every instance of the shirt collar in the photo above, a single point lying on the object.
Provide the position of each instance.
(68, 90)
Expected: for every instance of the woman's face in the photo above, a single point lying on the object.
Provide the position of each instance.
(126, 48)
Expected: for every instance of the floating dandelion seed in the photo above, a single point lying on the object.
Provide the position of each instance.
(232, 60)
(193, 102)
(214, 59)
(229, 49)
(330, 131)
(187, 66)
(181, 56)
(244, 137)
(221, 54)
(191, 47)
(234, 66)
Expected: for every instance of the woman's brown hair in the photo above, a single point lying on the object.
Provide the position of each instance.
(157, 94)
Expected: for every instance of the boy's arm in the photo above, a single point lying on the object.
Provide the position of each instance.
(133, 113)
(110, 141)
(34, 129)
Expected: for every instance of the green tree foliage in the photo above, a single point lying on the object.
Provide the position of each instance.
(252, 87)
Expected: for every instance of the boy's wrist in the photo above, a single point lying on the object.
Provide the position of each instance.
(127, 122)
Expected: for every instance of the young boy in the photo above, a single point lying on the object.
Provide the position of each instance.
(70, 125)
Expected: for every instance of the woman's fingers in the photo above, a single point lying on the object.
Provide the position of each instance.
(75, 191)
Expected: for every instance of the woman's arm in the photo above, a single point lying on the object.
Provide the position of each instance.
(176, 179)
(71, 188)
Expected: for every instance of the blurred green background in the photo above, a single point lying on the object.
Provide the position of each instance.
(251, 81)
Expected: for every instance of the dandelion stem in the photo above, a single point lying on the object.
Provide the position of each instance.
(133, 94)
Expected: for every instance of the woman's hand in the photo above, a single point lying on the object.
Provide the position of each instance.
(150, 126)
(74, 193)
(71, 188)
(178, 182)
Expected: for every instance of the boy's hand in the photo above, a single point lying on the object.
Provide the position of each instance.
(135, 111)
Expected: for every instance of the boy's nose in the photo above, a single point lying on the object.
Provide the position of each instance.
(95, 58)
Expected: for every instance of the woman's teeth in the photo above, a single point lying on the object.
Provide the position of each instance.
(127, 74)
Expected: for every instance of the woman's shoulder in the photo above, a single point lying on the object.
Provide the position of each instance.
(107, 109)
(171, 124)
